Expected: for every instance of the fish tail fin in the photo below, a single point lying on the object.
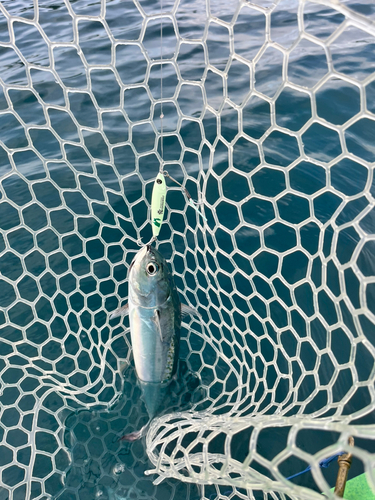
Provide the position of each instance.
(120, 311)
(134, 436)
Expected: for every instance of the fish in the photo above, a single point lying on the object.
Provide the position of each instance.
(155, 312)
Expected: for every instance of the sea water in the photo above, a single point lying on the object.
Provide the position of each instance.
(101, 467)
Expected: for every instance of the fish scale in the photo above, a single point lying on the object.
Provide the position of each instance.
(147, 344)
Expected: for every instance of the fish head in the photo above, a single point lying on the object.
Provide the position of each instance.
(149, 278)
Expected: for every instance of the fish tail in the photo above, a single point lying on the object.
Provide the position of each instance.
(134, 436)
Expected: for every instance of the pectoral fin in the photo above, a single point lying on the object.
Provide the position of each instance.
(187, 310)
(120, 311)
(156, 320)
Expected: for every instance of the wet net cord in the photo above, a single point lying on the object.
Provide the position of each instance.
(281, 272)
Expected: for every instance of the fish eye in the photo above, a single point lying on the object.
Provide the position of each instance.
(152, 268)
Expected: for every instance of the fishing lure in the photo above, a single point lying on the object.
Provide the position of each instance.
(159, 193)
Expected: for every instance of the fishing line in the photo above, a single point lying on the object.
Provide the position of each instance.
(161, 88)
(159, 191)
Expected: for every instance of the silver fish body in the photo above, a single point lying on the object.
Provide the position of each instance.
(154, 310)
(154, 317)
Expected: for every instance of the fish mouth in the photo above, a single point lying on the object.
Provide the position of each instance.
(142, 252)
(146, 252)
(150, 252)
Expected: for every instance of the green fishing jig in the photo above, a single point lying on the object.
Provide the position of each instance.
(159, 193)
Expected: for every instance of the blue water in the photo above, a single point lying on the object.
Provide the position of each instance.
(73, 206)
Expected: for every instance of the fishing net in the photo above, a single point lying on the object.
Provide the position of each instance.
(268, 123)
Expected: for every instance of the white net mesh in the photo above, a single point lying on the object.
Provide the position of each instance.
(269, 116)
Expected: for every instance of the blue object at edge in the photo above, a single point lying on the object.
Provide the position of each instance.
(322, 463)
